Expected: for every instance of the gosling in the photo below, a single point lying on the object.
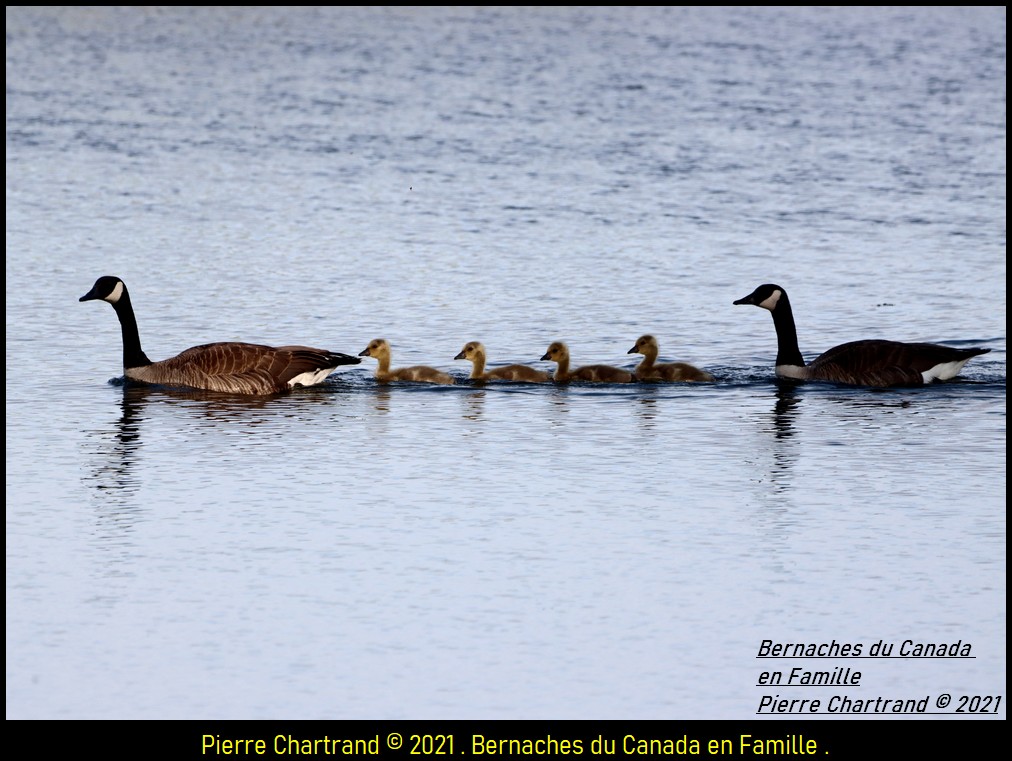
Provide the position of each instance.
(669, 371)
(475, 352)
(379, 349)
(558, 352)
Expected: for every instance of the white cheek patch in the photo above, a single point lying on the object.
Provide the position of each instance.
(771, 302)
(113, 297)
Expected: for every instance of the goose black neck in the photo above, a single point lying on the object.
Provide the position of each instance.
(788, 352)
(133, 355)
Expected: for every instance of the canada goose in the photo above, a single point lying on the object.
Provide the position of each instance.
(670, 371)
(558, 352)
(379, 349)
(475, 351)
(232, 367)
(859, 363)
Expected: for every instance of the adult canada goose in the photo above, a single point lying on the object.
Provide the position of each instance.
(669, 371)
(558, 352)
(379, 349)
(475, 352)
(232, 367)
(859, 363)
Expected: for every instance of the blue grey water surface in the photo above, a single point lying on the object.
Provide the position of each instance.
(512, 175)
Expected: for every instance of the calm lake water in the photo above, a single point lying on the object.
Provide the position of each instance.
(437, 175)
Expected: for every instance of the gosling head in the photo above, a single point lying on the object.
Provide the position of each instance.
(643, 345)
(556, 351)
(471, 351)
(377, 349)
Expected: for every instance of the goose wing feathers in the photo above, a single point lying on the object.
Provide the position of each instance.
(885, 363)
(240, 367)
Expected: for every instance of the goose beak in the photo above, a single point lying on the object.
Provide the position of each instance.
(632, 350)
(89, 296)
(460, 356)
(364, 352)
(745, 300)
(545, 357)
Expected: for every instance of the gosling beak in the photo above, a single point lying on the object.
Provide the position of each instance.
(364, 352)
(632, 350)
(545, 357)
(460, 356)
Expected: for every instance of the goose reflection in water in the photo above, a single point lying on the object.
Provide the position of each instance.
(785, 413)
(118, 449)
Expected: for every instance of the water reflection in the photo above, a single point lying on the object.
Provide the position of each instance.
(785, 413)
(474, 404)
(558, 407)
(118, 448)
(381, 398)
(645, 407)
(114, 481)
(778, 514)
(785, 410)
(777, 436)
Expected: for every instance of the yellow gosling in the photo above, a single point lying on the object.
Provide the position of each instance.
(379, 349)
(558, 352)
(475, 352)
(669, 371)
